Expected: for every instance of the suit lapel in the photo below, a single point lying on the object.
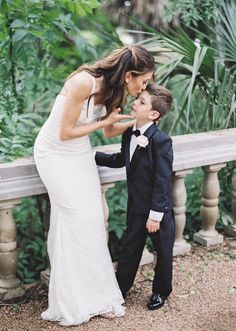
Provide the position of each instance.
(139, 150)
(150, 131)
(127, 138)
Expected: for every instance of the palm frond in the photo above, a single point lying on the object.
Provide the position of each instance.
(226, 32)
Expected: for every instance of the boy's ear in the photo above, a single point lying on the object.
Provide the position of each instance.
(154, 115)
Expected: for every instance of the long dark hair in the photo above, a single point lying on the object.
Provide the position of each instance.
(113, 68)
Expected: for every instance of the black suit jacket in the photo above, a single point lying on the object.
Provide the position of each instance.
(149, 174)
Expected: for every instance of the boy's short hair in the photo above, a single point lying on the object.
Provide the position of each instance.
(161, 99)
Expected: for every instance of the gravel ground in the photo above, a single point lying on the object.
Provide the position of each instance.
(203, 299)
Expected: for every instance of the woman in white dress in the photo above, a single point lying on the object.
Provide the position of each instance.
(82, 282)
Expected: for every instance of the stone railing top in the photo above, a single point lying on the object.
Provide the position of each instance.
(20, 177)
(201, 149)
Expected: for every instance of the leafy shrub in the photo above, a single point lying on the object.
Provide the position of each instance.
(225, 178)
(194, 13)
(31, 240)
(41, 43)
(117, 202)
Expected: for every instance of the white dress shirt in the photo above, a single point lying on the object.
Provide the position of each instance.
(154, 215)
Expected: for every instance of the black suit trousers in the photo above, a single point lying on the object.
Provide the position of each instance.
(132, 246)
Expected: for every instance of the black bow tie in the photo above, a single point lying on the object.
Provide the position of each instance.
(136, 133)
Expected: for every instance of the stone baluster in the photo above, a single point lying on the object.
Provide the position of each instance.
(147, 257)
(231, 228)
(105, 187)
(10, 286)
(209, 210)
(179, 204)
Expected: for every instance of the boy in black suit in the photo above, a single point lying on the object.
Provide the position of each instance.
(148, 156)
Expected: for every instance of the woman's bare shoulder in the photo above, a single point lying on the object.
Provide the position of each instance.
(82, 82)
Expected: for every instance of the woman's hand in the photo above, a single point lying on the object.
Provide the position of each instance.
(112, 128)
(115, 116)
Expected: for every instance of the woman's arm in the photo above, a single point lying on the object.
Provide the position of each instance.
(116, 129)
(78, 89)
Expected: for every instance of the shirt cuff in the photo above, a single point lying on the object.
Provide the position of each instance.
(155, 215)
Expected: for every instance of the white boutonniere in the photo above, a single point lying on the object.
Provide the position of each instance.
(142, 141)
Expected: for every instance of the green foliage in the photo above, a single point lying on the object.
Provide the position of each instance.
(117, 201)
(194, 13)
(41, 43)
(207, 102)
(226, 32)
(31, 240)
(80, 7)
(200, 77)
(225, 179)
(118, 207)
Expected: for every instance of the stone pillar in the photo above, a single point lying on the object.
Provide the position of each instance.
(147, 257)
(105, 187)
(231, 228)
(179, 204)
(209, 210)
(10, 286)
(45, 276)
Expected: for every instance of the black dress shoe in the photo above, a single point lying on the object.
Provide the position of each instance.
(156, 301)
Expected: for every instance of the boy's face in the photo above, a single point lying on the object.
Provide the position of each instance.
(141, 108)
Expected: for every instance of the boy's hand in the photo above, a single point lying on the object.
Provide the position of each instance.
(152, 226)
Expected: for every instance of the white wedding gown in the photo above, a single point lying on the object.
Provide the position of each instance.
(82, 282)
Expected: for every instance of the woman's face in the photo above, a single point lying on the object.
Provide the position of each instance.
(136, 84)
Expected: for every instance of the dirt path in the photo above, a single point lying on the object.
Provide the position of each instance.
(203, 299)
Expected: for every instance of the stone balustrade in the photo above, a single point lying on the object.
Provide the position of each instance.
(210, 151)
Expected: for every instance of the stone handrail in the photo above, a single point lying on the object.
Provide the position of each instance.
(20, 178)
(211, 151)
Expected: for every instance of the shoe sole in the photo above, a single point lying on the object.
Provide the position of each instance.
(154, 308)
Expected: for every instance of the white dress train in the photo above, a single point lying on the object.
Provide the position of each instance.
(82, 282)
